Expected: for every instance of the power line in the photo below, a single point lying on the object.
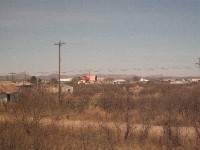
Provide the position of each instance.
(59, 88)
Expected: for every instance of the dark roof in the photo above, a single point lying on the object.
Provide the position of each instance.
(8, 88)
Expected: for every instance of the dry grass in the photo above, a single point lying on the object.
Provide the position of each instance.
(160, 116)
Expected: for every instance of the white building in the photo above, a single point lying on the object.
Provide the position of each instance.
(183, 81)
(66, 80)
(67, 88)
(143, 80)
(195, 80)
(120, 81)
(64, 88)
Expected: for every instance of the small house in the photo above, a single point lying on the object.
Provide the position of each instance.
(64, 88)
(67, 88)
(8, 91)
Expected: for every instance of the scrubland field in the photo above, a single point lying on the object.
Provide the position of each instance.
(104, 117)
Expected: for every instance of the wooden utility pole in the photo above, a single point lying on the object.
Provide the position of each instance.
(25, 76)
(89, 75)
(12, 73)
(59, 87)
(198, 63)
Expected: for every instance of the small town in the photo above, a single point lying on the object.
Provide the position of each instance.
(10, 88)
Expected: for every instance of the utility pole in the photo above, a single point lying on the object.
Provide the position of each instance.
(59, 87)
(12, 73)
(161, 77)
(198, 62)
(25, 76)
(89, 75)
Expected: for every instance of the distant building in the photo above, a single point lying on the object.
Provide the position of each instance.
(169, 80)
(8, 91)
(120, 81)
(143, 80)
(81, 82)
(66, 80)
(176, 82)
(89, 79)
(195, 80)
(67, 88)
(64, 88)
(23, 84)
(100, 80)
(182, 81)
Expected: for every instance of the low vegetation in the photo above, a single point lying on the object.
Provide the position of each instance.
(133, 116)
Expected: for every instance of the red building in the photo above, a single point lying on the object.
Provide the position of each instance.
(87, 77)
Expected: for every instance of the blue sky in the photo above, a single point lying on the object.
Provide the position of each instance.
(142, 37)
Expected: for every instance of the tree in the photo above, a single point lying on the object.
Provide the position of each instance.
(75, 80)
(108, 80)
(136, 78)
(33, 79)
(53, 81)
(39, 80)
